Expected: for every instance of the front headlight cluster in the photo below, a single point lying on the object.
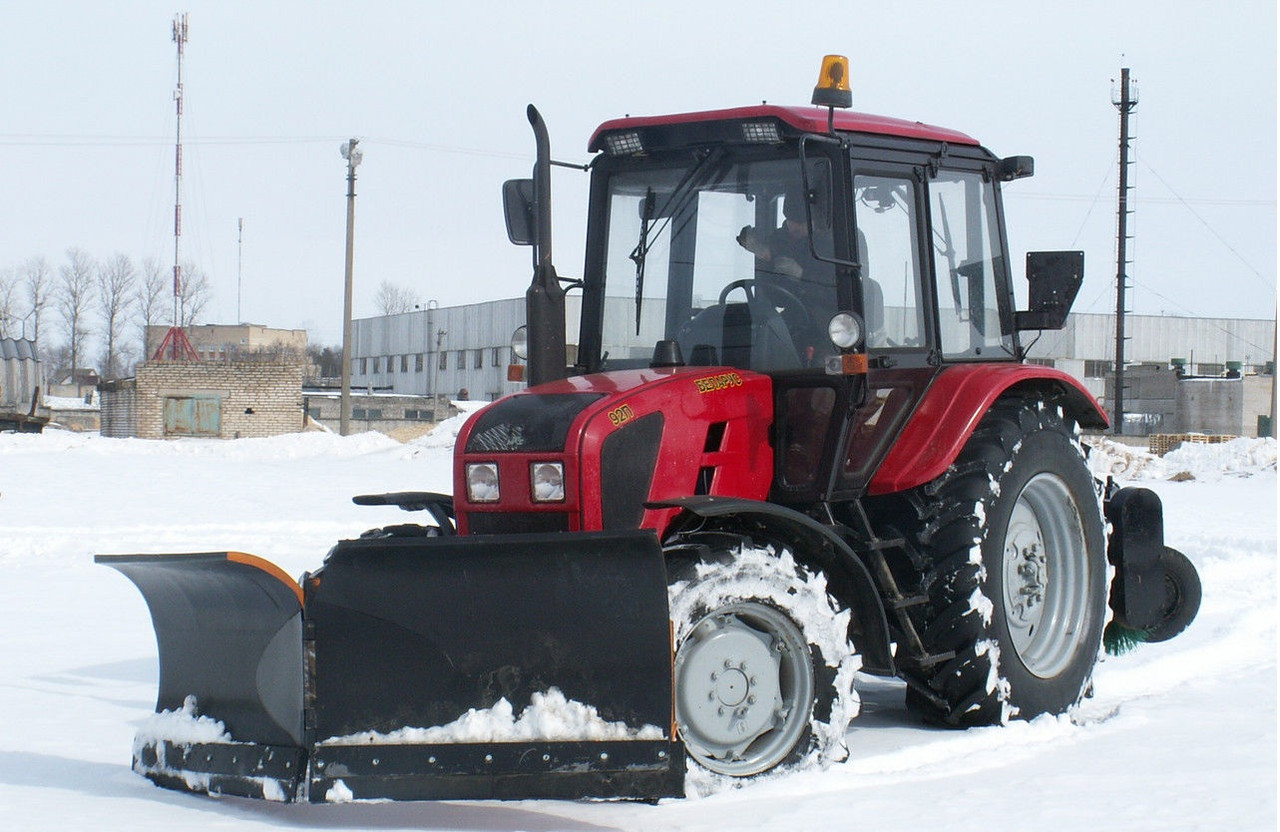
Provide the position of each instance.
(546, 482)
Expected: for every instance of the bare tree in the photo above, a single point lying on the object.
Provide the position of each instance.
(196, 293)
(393, 300)
(74, 296)
(116, 281)
(153, 290)
(8, 300)
(36, 279)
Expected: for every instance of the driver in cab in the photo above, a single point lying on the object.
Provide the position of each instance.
(792, 276)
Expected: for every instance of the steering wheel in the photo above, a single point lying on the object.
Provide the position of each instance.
(755, 290)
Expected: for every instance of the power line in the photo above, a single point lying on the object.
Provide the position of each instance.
(89, 140)
(1205, 223)
(1149, 200)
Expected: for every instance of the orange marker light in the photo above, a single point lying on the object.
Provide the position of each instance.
(832, 89)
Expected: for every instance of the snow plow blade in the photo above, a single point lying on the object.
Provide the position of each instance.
(229, 633)
(509, 667)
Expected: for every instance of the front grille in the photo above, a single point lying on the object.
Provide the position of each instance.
(528, 423)
(517, 522)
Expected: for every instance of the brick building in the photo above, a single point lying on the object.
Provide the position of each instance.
(226, 400)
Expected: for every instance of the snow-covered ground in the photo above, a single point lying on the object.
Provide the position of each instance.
(1180, 735)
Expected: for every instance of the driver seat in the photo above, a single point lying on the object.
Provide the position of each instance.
(729, 335)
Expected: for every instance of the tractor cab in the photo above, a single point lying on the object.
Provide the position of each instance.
(774, 239)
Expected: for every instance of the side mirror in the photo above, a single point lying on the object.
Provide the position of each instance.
(1015, 167)
(1054, 278)
(517, 203)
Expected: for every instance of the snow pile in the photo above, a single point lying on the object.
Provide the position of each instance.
(445, 434)
(550, 717)
(181, 727)
(1243, 457)
(72, 402)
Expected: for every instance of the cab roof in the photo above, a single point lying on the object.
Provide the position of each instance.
(800, 119)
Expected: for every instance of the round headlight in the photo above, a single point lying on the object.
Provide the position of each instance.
(520, 342)
(845, 330)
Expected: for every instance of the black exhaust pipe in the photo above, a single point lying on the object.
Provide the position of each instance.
(544, 302)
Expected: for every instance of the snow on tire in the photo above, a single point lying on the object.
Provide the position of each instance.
(1013, 563)
(764, 667)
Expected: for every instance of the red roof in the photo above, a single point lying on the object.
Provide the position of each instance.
(807, 119)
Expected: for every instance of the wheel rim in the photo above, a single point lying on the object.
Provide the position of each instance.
(1046, 576)
(744, 688)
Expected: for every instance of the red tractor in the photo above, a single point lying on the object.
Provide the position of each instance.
(798, 440)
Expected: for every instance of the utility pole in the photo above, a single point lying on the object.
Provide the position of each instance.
(1126, 103)
(353, 157)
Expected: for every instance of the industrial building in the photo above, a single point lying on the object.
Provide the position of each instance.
(463, 352)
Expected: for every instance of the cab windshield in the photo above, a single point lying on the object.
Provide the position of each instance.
(716, 255)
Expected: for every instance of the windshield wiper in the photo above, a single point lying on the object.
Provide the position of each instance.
(641, 250)
(674, 204)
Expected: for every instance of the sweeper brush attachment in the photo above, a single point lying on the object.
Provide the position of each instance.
(518, 666)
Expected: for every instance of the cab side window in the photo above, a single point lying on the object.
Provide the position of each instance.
(888, 251)
(967, 264)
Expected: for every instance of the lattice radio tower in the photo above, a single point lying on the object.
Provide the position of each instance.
(176, 344)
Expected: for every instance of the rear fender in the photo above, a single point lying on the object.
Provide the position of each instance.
(953, 405)
(817, 546)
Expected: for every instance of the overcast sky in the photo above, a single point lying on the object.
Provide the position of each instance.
(436, 92)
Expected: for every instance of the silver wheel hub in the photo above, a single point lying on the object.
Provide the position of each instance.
(744, 685)
(1046, 576)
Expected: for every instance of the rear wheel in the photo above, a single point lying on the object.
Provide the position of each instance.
(1013, 562)
(763, 668)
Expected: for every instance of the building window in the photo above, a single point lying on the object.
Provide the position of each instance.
(404, 363)
(478, 360)
(1097, 369)
(417, 363)
(364, 366)
(497, 357)
(1041, 362)
(366, 413)
(377, 365)
(462, 360)
(443, 363)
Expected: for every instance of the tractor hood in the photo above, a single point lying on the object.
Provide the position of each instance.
(586, 453)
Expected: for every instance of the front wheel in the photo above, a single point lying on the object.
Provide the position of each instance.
(763, 667)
